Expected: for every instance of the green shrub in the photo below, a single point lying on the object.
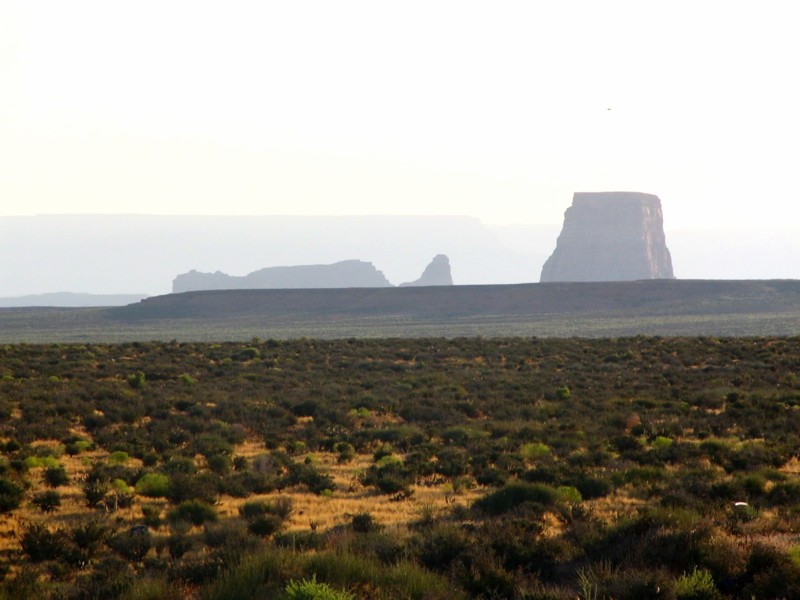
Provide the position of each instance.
(35, 462)
(311, 589)
(699, 585)
(136, 380)
(118, 457)
(120, 486)
(346, 452)
(78, 446)
(534, 450)
(248, 354)
(662, 442)
(153, 485)
(794, 554)
(570, 494)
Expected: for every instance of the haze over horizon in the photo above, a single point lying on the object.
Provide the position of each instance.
(500, 112)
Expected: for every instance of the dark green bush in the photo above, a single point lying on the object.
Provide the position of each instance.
(10, 495)
(48, 501)
(40, 543)
(516, 495)
(131, 545)
(89, 536)
(364, 523)
(94, 491)
(56, 476)
(264, 525)
(193, 511)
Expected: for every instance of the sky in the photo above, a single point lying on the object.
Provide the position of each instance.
(496, 110)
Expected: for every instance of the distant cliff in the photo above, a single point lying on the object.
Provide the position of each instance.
(610, 236)
(436, 273)
(344, 274)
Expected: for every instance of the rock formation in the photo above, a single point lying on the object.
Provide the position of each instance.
(610, 236)
(436, 273)
(344, 274)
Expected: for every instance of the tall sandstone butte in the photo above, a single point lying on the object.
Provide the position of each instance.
(610, 236)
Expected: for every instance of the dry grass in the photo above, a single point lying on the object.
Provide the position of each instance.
(323, 512)
(792, 466)
(320, 512)
(617, 504)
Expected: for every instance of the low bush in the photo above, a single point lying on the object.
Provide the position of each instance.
(193, 511)
(264, 525)
(89, 536)
(515, 495)
(697, 585)
(153, 485)
(48, 501)
(131, 545)
(56, 476)
(40, 543)
(10, 495)
(364, 523)
(311, 589)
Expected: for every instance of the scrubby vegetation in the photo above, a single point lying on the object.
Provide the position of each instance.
(428, 468)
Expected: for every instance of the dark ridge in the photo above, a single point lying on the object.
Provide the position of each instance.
(647, 297)
(70, 299)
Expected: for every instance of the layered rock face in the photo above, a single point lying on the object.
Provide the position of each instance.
(344, 274)
(610, 236)
(436, 273)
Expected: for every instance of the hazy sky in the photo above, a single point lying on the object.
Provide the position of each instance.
(499, 110)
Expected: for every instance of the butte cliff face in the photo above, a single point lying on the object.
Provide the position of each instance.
(344, 274)
(610, 236)
(436, 273)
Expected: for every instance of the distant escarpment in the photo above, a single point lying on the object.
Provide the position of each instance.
(344, 274)
(436, 273)
(610, 236)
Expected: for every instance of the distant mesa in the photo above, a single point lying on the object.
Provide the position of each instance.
(343, 274)
(610, 236)
(436, 273)
(70, 300)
